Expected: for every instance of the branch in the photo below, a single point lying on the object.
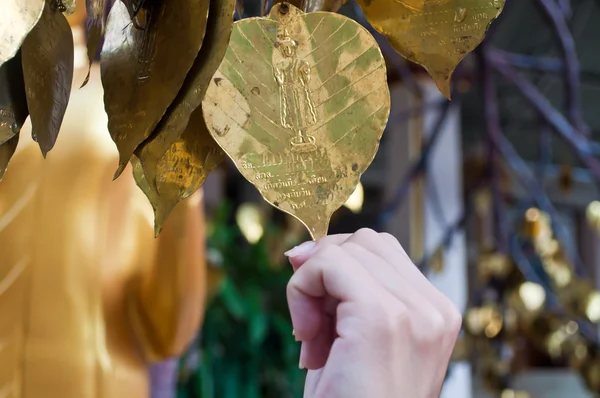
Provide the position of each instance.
(577, 141)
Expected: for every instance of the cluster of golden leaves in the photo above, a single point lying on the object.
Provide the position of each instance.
(158, 60)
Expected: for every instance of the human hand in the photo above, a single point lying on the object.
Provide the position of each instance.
(371, 325)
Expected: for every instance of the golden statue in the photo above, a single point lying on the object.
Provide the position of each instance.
(88, 297)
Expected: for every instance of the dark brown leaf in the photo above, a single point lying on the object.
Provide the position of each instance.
(144, 64)
(48, 72)
(13, 102)
(192, 92)
(6, 151)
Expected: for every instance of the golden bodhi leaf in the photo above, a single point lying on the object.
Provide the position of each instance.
(48, 71)
(299, 103)
(173, 123)
(18, 18)
(181, 171)
(13, 102)
(144, 63)
(436, 34)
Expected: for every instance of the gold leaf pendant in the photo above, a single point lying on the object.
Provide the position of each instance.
(181, 171)
(436, 34)
(299, 103)
(173, 124)
(144, 63)
(48, 72)
(19, 17)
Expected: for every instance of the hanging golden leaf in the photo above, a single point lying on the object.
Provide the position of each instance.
(184, 167)
(144, 63)
(7, 150)
(174, 122)
(142, 182)
(436, 34)
(299, 103)
(13, 103)
(96, 25)
(48, 72)
(19, 17)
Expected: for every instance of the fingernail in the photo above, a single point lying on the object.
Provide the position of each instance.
(304, 248)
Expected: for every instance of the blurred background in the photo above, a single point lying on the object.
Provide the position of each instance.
(493, 194)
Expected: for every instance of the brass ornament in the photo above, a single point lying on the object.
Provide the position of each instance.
(181, 171)
(436, 34)
(19, 17)
(299, 104)
(48, 71)
(13, 102)
(7, 150)
(174, 122)
(144, 63)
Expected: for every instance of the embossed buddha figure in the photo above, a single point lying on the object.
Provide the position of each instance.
(296, 106)
(88, 296)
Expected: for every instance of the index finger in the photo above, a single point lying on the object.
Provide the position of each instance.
(300, 254)
(329, 272)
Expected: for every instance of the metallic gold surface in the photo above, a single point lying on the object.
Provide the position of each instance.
(174, 122)
(436, 34)
(299, 103)
(48, 72)
(13, 101)
(88, 296)
(181, 171)
(184, 167)
(18, 18)
(144, 64)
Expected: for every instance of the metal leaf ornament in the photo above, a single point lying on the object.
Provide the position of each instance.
(19, 17)
(13, 102)
(181, 171)
(436, 34)
(144, 63)
(174, 122)
(299, 104)
(48, 71)
(13, 109)
(7, 150)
